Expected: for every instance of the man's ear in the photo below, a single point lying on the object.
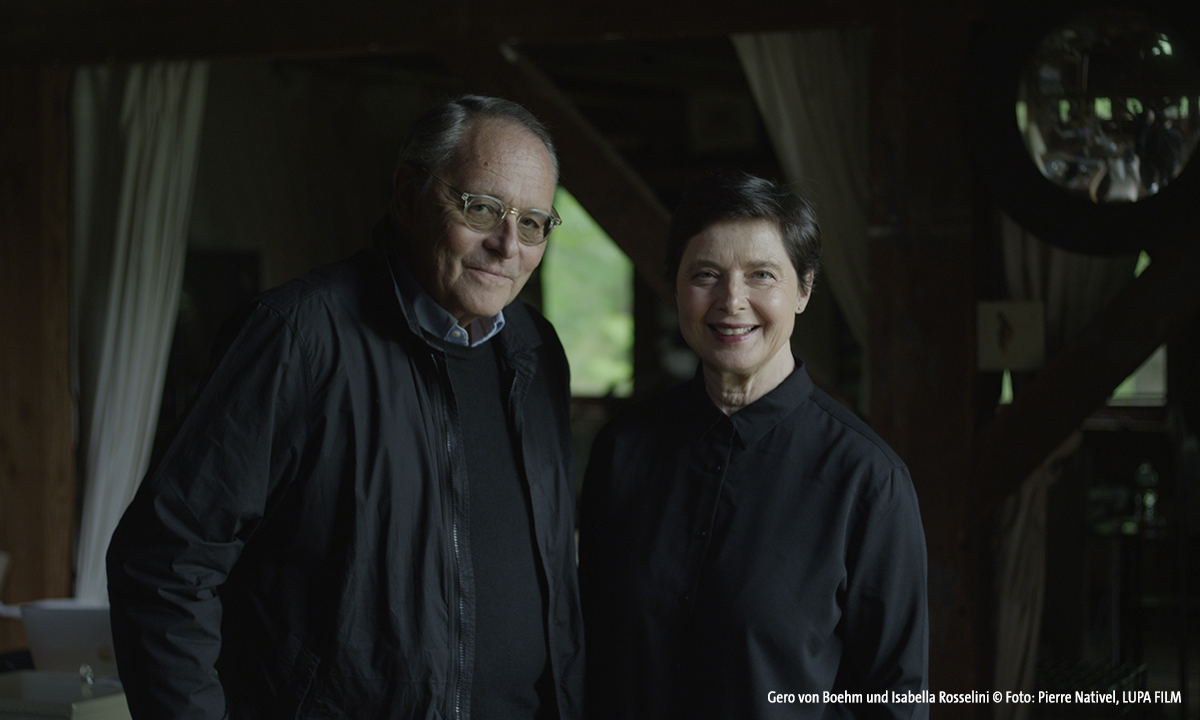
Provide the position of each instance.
(404, 193)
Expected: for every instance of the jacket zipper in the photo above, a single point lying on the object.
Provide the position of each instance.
(456, 545)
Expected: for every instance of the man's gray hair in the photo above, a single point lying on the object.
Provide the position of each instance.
(435, 135)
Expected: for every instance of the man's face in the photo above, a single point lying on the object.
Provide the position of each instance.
(475, 274)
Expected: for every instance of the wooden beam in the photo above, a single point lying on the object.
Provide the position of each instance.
(613, 193)
(923, 265)
(87, 31)
(1160, 302)
(37, 460)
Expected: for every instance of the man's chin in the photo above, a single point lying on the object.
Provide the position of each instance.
(476, 310)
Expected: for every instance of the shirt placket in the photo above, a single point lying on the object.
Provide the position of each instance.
(710, 475)
(706, 475)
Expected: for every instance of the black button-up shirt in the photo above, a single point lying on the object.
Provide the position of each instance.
(766, 564)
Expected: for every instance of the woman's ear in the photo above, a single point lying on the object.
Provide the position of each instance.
(805, 292)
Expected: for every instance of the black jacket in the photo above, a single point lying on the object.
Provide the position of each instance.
(305, 535)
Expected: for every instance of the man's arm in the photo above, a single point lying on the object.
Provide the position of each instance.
(185, 529)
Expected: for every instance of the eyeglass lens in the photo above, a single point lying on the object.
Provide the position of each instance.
(483, 214)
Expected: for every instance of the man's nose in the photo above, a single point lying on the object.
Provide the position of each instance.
(504, 240)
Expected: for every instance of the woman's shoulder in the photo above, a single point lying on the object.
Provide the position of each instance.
(844, 426)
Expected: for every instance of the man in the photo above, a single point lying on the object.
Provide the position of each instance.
(369, 511)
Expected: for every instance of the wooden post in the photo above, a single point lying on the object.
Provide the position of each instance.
(922, 315)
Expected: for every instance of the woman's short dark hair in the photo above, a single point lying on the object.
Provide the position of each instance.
(436, 135)
(720, 196)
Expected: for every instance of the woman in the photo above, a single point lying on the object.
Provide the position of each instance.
(749, 548)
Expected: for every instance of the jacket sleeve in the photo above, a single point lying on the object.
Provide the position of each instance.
(885, 624)
(184, 530)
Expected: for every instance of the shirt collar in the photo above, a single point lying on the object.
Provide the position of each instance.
(754, 421)
(435, 320)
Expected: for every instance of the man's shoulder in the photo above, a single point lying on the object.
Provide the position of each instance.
(342, 281)
(345, 299)
(349, 293)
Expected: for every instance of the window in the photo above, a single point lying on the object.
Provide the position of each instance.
(1148, 384)
(587, 292)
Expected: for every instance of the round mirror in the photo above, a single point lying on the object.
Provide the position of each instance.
(1107, 106)
(1081, 118)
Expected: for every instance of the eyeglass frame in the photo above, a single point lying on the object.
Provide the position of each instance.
(506, 210)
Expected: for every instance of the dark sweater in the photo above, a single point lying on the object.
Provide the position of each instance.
(511, 671)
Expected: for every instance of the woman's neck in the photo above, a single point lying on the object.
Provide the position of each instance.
(733, 391)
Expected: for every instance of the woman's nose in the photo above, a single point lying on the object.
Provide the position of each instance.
(733, 295)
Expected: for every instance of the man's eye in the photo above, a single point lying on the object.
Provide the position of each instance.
(480, 207)
(531, 221)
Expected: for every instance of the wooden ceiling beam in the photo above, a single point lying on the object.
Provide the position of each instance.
(591, 168)
(1148, 312)
(88, 31)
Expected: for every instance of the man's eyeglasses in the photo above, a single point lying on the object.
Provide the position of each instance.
(484, 213)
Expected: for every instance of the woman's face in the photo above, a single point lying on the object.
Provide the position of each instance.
(738, 296)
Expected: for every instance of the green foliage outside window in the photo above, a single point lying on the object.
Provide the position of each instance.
(587, 292)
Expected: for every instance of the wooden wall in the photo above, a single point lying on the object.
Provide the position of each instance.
(37, 460)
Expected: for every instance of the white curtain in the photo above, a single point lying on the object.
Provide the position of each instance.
(1072, 288)
(136, 136)
(1020, 544)
(813, 89)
